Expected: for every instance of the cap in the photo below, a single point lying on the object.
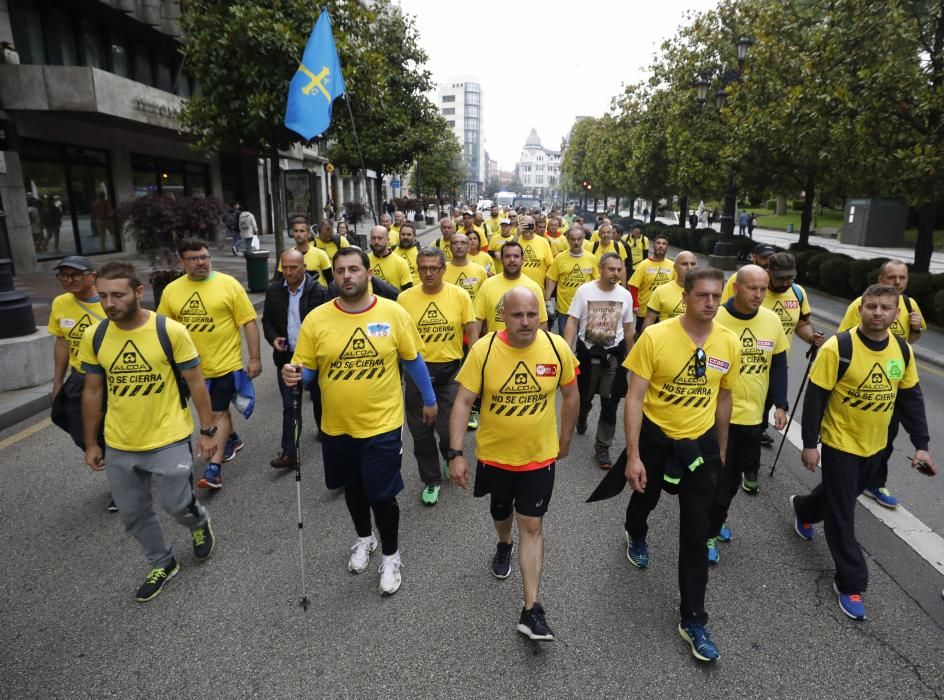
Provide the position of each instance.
(77, 262)
(764, 250)
(469, 212)
(782, 265)
(505, 221)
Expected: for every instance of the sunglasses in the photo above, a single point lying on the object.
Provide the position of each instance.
(701, 363)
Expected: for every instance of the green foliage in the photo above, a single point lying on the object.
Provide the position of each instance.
(771, 204)
(862, 273)
(834, 274)
(440, 170)
(796, 204)
(159, 222)
(707, 243)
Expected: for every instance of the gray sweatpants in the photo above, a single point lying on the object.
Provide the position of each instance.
(129, 474)
(443, 377)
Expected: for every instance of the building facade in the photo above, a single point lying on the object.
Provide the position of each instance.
(539, 169)
(460, 102)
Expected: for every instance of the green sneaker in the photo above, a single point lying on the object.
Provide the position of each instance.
(713, 556)
(430, 495)
(473, 420)
(749, 486)
(154, 583)
(203, 541)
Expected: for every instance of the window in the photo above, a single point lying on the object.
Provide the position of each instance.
(120, 56)
(164, 74)
(150, 175)
(27, 31)
(526, 168)
(472, 111)
(60, 36)
(449, 110)
(143, 71)
(539, 168)
(449, 98)
(451, 122)
(93, 47)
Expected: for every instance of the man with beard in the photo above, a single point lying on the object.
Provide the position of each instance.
(407, 249)
(384, 264)
(316, 260)
(461, 271)
(649, 275)
(667, 301)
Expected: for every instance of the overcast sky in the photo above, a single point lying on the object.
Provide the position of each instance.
(541, 68)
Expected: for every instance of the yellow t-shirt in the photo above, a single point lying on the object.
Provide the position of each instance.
(391, 268)
(440, 319)
(357, 356)
(901, 327)
(144, 410)
(68, 318)
(569, 273)
(409, 255)
(484, 259)
(647, 277)
(860, 405)
(393, 233)
(558, 243)
(761, 338)
(537, 258)
(444, 246)
(667, 301)
(493, 225)
(213, 310)
(470, 277)
(489, 300)
(611, 247)
(494, 247)
(518, 398)
(638, 248)
(330, 247)
(788, 307)
(683, 389)
(315, 260)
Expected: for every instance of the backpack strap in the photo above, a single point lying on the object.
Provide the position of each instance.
(844, 339)
(560, 362)
(798, 293)
(164, 339)
(596, 244)
(484, 360)
(99, 336)
(905, 348)
(909, 307)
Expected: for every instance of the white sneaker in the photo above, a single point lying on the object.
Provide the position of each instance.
(390, 574)
(360, 554)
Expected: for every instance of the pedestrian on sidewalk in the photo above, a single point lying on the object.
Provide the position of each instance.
(600, 324)
(287, 303)
(743, 221)
(248, 230)
(356, 344)
(516, 373)
(858, 378)
(147, 432)
(214, 307)
(77, 308)
(751, 223)
(677, 413)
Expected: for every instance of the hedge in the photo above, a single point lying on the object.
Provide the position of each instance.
(707, 242)
(771, 204)
(834, 274)
(796, 204)
(862, 273)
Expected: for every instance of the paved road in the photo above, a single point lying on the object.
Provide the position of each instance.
(231, 627)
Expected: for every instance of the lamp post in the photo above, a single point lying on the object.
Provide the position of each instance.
(724, 256)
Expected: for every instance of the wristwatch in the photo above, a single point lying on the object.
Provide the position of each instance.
(452, 454)
(209, 432)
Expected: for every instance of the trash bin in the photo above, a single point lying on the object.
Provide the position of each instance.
(789, 228)
(257, 269)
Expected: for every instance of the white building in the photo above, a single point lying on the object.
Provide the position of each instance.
(460, 102)
(539, 168)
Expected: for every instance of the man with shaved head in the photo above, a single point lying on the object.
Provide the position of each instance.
(384, 264)
(763, 365)
(668, 300)
(517, 371)
(447, 228)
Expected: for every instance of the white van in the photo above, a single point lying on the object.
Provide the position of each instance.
(504, 199)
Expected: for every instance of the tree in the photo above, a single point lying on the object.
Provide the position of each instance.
(440, 169)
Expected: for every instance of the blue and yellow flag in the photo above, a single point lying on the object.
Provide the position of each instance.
(316, 84)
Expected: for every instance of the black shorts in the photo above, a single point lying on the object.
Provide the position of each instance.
(529, 492)
(222, 389)
(639, 321)
(373, 463)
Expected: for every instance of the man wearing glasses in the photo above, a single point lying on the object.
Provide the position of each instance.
(443, 314)
(678, 408)
(536, 250)
(71, 313)
(213, 307)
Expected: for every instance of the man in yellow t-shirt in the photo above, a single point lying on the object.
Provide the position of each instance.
(214, 307)
(493, 222)
(447, 228)
(443, 316)
(536, 250)
(356, 343)
(495, 243)
(148, 425)
(638, 245)
(316, 260)
(517, 372)
(763, 367)
(462, 272)
(649, 275)
(856, 381)
(555, 237)
(570, 270)
(394, 229)
(407, 248)
(490, 297)
(677, 412)
(384, 264)
(328, 241)
(667, 300)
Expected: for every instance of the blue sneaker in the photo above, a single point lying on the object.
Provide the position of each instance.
(713, 556)
(637, 552)
(699, 640)
(232, 447)
(212, 478)
(804, 530)
(851, 604)
(883, 496)
(724, 534)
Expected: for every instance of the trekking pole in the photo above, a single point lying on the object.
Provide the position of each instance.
(811, 353)
(297, 409)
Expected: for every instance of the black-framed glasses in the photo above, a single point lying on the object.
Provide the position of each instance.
(71, 275)
(424, 268)
(700, 361)
(196, 258)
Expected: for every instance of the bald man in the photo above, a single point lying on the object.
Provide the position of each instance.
(517, 372)
(668, 300)
(763, 365)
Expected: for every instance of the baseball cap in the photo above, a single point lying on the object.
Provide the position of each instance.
(469, 212)
(77, 262)
(764, 250)
(782, 265)
(504, 221)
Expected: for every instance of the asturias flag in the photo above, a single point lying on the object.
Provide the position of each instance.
(316, 84)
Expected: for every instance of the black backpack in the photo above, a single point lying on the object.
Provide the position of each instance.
(616, 244)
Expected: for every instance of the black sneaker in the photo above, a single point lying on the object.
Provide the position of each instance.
(766, 439)
(501, 562)
(154, 583)
(203, 541)
(112, 508)
(533, 625)
(581, 427)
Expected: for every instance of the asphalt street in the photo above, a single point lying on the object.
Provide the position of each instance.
(232, 626)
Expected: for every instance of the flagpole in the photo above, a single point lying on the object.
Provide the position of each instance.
(357, 142)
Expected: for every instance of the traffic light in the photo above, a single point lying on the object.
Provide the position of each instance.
(586, 184)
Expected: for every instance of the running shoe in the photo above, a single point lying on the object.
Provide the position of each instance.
(154, 583)
(203, 541)
(473, 420)
(602, 455)
(112, 508)
(637, 552)
(699, 640)
(533, 624)
(724, 534)
(749, 486)
(713, 556)
(212, 478)
(851, 605)
(581, 426)
(232, 447)
(766, 439)
(883, 497)
(804, 530)
(390, 574)
(360, 554)
(430, 495)
(501, 562)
